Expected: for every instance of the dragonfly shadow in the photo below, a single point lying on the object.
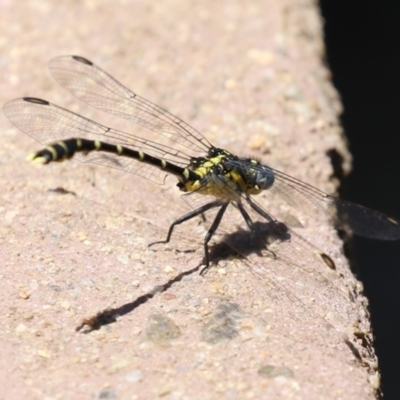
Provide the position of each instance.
(244, 243)
(240, 244)
(111, 315)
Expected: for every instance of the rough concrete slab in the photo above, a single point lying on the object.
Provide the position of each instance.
(250, 76)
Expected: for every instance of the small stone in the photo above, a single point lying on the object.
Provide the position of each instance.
(168, 269)
(375, 381)
(230, 84)
(20, 328)
(134, 376)
(123, 258)
(107, 394)
(256, 142)
(221, 271)
(66, 305)
(44, 353)
(262, 57)
(223, 324)
(169, 296)
(24, 295)
(161, 329)
(272, 371)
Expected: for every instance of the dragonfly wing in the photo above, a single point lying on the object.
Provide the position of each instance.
(99, 89)
(342, 214)
(48, 123)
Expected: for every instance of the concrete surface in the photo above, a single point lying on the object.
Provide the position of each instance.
(250, 77)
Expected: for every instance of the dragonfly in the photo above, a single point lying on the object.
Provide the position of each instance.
(211, 178)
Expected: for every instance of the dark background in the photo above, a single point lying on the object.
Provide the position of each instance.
(363, 49)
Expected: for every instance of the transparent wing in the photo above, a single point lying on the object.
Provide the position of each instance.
(291, 272)
(343, 214)
(99, 89)
(47, 123)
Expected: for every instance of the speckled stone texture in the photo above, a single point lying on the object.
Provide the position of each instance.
(251, 77)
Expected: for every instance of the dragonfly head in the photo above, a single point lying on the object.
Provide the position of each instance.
(263, 176)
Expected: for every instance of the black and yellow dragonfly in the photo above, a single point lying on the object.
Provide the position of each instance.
(224, 180)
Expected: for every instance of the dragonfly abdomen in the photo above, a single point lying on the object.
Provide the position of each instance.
(66, 149)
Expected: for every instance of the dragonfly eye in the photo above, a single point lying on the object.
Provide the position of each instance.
(264, 177)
